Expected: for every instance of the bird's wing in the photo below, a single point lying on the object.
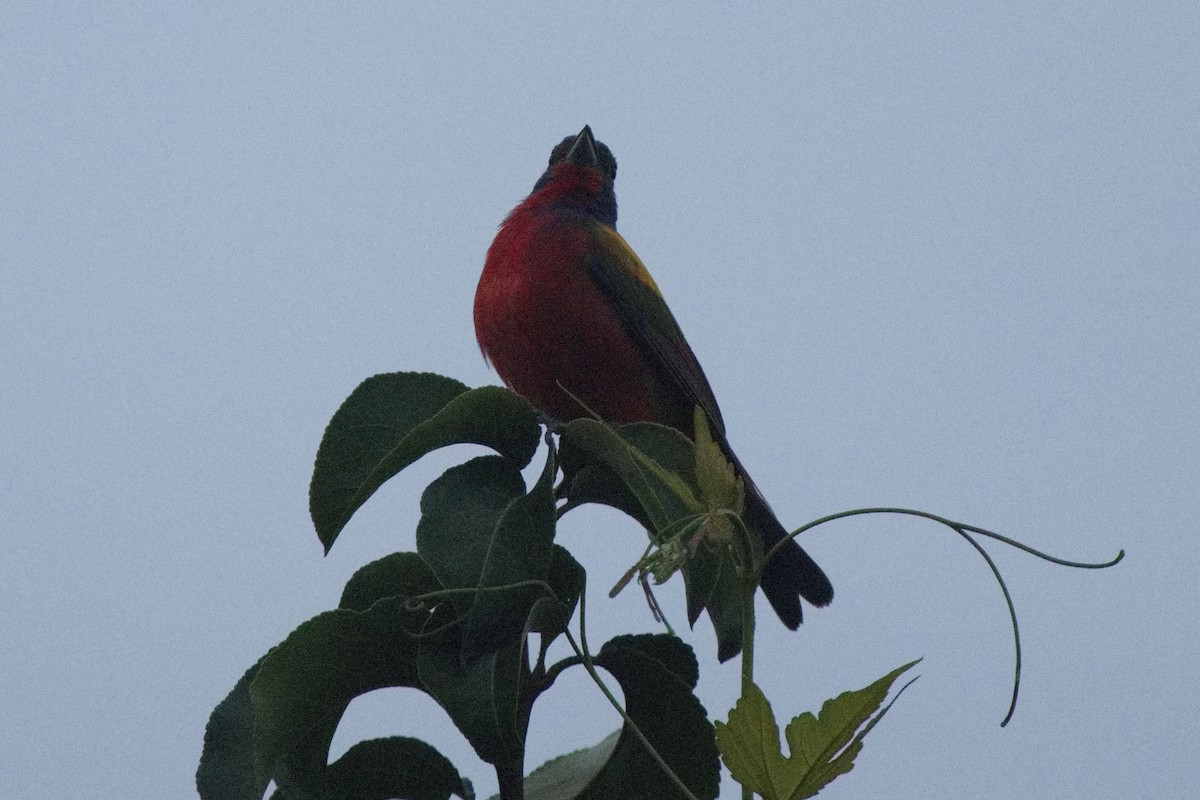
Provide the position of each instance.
(639, 305)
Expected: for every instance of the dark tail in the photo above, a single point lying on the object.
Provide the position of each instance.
(791, 573)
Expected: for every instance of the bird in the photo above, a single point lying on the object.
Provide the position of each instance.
(570, 319)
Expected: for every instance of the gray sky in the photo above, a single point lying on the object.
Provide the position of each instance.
(943, 257)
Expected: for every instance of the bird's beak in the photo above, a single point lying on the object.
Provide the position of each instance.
(583, 151)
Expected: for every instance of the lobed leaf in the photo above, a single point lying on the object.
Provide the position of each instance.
(821, 747)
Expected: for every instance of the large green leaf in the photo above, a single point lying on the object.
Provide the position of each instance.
(520, 551)
(657, 674)
(379, 769)
(480, 531)
(822, 748)
(649, 472)
(396, 575)
(653, 463)
(294, 739)
(304, 685)
(460, 512)
(280, 718)
(483, 695)
(568, 776)
(391, 420)
(553, 613)
(226, 769)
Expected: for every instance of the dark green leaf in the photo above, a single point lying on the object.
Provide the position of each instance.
(657, 674)
(822, 748)
(396, 767)
(593, 483)
(396, 575)
(227, 763)
(567, 578)
(713, 584)
(568, 776)
(648, 471)
(460, 512)
(481, 696)
(480, 531)
(302, 772)
(392, 420)
(304, 685)
(520, 551)
(653, 462)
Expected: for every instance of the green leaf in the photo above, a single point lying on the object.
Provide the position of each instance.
(720, 485)
(379, 769)
(821, 747)
(714, 585)
(482, 696)
(226, 769)
(520, 550)
(653, 462)
(304, 685)
(568, 776)
(552, 614)
(396, 575)
(650, 472)
(460, 512)
(594, 483)
(480, 531)
(392, 420)
(658, 674)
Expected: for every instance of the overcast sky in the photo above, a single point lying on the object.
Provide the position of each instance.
(941, 257)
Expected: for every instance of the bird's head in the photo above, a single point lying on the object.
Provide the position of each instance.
(581, 171)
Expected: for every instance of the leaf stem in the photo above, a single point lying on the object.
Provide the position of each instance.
(747, 651)
(751, 574)
(585, 657)
(964, 530)
(1012, 615)
(950, 524)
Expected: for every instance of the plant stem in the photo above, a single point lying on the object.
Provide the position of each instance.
(585, 657)
(747, 649)
(747, 636)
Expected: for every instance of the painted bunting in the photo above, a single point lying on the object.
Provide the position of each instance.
(571, 320)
